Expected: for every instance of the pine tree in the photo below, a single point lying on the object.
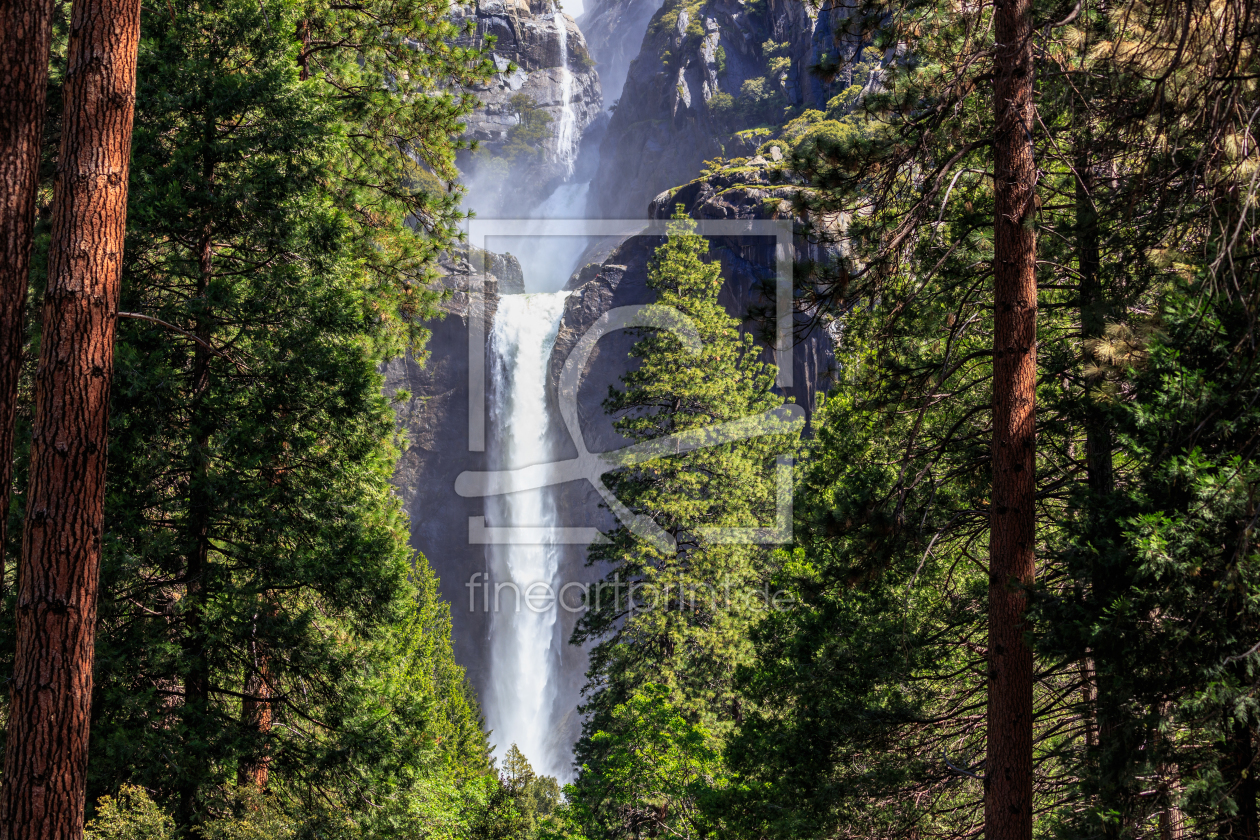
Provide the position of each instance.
(258, 590)
(261, 616)
(677, 616)
(1118, 215)
(25, 38)
(46, 748)
(522, 805)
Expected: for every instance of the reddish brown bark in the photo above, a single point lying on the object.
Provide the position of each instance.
(304, 35)
(1008, 768)
(256, 715)
(45, 759)
(25, 34)
(256, 711)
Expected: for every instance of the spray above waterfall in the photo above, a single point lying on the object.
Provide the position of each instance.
(533, 111)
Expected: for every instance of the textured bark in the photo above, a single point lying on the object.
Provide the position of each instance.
(256, 716)
(1171, 818)
(25, 34)
(45, 759)
(1008, 768)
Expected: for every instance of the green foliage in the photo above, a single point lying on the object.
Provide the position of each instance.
(722, 105)
(865, 706)
(822, 137)
(1176, 542)
(761, 99)
(860, 76)
(753, 89)
(132, 815)
(683, 624)
(524, 140)
(523, 805)
(399, 79)
(292, 182)
(129, 815)
(654, 760)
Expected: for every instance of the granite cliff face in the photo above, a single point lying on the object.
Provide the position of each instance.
(614, 30)
(434, 417)
(534, 112)
(706, 69)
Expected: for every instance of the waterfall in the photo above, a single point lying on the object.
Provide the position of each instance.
(520, 702)
(566, 143)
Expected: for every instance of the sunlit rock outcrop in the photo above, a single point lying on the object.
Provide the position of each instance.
(705, 70)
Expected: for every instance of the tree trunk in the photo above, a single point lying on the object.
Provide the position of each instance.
(45, 759)
(1171, 819)
(197, 680)
(1112, 755)
(304, 35)
(25, 35)
(1093, 308)
(256, 717)
(1240, 773)
(1008, 768)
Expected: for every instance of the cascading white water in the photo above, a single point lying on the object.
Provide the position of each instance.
(565, 134)
(520, 703)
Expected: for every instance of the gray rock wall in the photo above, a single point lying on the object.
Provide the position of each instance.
(528, 54)
(434, 418)
(667, 123)
(614, 30)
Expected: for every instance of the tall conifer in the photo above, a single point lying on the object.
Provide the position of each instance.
(46, 749)
(25, 36)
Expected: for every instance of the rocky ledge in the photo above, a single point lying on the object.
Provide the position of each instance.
(706, 70)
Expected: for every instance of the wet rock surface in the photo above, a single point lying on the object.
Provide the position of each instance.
(434, 417)
(553, 76)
